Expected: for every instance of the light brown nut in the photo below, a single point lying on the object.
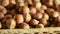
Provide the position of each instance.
(33, 10)
(45, 16)
(4, 2)
(34, 22)
(43, 21)
(49, 3)
(37, 5)
(10, 23)
(40, 26)
(38, 15)
(27, 17)
(19, 18)
(25, 10)
(44, 7)
(24, 26)
(3, 10)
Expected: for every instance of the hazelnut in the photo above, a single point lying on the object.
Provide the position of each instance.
(40, 26)
(41, 11)
(54, 14)
(27, 17)
(12, 2)
(10, 23)
(43, 21)
(43, 7)
(46, 16)
(29, 1)
(34, 22)
(49, 3)
(24, 26)
(38, 15)
(3, 10)
(19, 18)
(5, 2)
(25, 10)
(33, 10)
(37, 5)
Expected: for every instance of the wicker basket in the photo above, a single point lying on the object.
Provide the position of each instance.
(49, 30)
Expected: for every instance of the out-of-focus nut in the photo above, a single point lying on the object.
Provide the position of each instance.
(25, 10)
(33, 10)
(24, 26)
(10, 23)
(4, 2)
(45, 16)
(34, 22)
(27, 17)
(38, 16)
(19, 18)
(3, 10)
(43, 21)
(40, 26)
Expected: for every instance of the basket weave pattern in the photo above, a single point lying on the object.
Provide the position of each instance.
(55, 30)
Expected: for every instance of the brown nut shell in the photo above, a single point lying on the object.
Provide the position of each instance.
(24, 26)
(10, 23)
(19, 18)
(40, 26)
(34, 22)
(27, 17)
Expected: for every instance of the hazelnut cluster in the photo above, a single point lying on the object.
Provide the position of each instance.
(27, 14)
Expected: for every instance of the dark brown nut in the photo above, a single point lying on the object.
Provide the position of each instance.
(27, 17)
(43, 7)
(19, 3)
(10, 23)
(1, 15)
(54, 14)
(24, 26)
(40, 26)
(34, 22)
(33, 10)
(38, 16)
(45, 16)
(0, 25)
(52, 25)
(4, 2)
(58, 8)
(43, 21)
(13, 12)
(49, 10)
(37, 5)
(3, 10)
(25, 10)
(49, 3)
(19, 18)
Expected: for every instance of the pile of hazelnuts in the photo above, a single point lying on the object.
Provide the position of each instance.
(26, 14)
